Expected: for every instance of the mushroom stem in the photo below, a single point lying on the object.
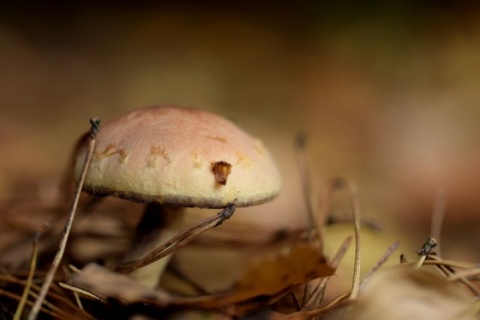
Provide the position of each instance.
(158, 224)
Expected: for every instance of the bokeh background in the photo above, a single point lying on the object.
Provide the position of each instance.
(388, 94)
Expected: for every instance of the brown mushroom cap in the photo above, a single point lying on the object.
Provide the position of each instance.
(179, 156)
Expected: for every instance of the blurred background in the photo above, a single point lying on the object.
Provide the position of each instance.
(388, 94)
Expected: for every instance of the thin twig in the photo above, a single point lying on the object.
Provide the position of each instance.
(420, 261)
(333, 185)
(448, 270)
(455, 264)
(464, 274)
(295, 301)
(33, 266)
(356, 218)
(13, 296)
(79, 290)
(177, 241)
(34, 288)
(95, 123)
(305, 171)
(380, 262)
(315, 234)
(318, 292)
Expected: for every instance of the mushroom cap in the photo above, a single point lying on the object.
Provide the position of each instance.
(179, 156)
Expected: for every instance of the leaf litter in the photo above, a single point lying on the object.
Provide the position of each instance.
(282, 275)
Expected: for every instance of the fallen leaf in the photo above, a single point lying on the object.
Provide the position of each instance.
(290, 266)
(217, 267)
(264, 277)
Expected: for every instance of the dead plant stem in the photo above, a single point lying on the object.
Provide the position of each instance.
(315, 232)
(177, 241)
(305, 172)
(448, 271)
(31, 273)
(382, 260)
(95, 123)
(356, 218)
(318, 292)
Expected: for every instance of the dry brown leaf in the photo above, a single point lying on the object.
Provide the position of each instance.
(265, 276)
(216, 268)
(290, 266)
(249, 270)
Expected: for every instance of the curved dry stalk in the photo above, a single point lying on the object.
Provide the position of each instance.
(450, 263)
(475, 272)
(356, 218)
(178, 241)
(52, 310)
(77, 290)
(380, 262)
(305, 171)
(449, 271)
(14, 296)
(317, 294)
(31, 273)
(95, 123)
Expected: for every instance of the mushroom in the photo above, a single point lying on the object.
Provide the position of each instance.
(172, 157)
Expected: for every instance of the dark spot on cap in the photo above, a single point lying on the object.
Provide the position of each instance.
(221, 170)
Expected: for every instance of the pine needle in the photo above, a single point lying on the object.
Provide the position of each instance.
(317, 294)
(382, 260)
(95, 123)
(31, 273)
(178, 241)
(356, 218)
